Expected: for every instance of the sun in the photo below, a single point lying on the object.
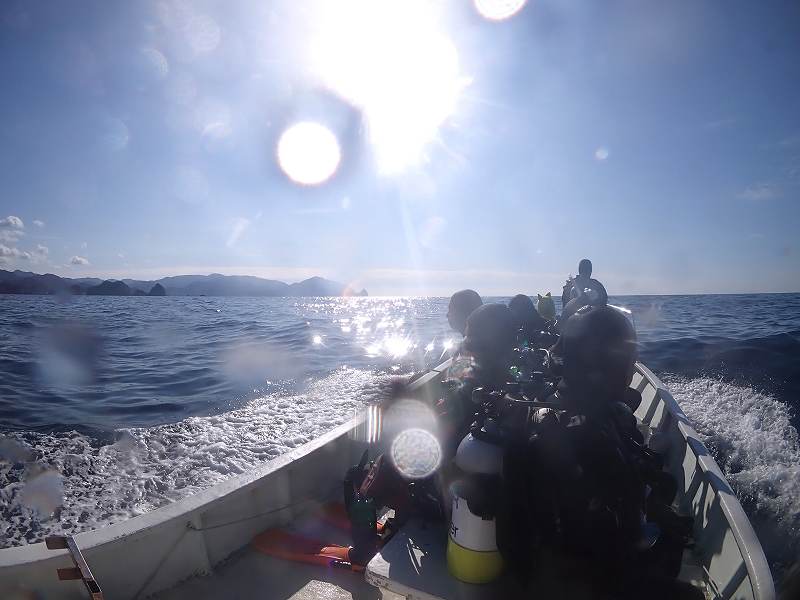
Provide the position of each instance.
(390, 59)
(308, 152)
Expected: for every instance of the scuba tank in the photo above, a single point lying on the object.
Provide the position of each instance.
(472, 554)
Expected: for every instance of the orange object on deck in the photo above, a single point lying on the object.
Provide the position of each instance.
(290, 546)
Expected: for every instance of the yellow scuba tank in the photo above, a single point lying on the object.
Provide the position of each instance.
(472, 554)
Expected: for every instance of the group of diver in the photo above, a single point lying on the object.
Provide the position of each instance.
(580, 495)
(580, 502)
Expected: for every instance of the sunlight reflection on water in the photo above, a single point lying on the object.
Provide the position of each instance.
(384, 328)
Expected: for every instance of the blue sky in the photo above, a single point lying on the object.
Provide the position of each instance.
(660, 139)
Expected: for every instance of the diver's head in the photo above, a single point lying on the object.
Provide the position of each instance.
(491, 335)
(461, 306)
(598, 347)
(585, 268)
(522, 309)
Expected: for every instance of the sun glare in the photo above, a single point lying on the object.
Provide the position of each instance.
(308, 153)
(388, 58)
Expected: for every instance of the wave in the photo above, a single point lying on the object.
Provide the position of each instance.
(769, 364)
(751, 436)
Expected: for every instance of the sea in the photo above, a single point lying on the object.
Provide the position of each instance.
(114, 406)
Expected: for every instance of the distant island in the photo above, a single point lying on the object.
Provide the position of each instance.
(23, 282)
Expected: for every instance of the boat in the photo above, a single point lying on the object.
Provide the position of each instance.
(199, 547)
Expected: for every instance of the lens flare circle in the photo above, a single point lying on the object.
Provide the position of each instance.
(416, 453)
(308, 153)
(499, 10)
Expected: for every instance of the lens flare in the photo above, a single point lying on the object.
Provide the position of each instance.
(308, 153)
(416, 453)
(499, 10)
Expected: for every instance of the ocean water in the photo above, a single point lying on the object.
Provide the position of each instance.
(116, 406)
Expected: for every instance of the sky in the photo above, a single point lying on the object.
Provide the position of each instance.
(440, 145)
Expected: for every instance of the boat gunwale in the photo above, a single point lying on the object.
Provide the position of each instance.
(758, 570)
(183, 509)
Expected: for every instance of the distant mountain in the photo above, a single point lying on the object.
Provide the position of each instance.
(23, 282)
(109, 288)
(317, 286)
(233, 285)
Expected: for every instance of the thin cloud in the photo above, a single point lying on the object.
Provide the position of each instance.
(12, 222)
(759, 192)
(11, 229)
(240, 225)
(431, 230)
(14, 253)
(41, 253)
(788, 142)
(79, 260)
(10, 236)
(721, 123)
(38, 223)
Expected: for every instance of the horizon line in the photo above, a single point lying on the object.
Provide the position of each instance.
(407, 295)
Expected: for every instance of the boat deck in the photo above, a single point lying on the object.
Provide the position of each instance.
(249, 574)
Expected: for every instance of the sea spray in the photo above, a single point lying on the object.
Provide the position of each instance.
(751, 437)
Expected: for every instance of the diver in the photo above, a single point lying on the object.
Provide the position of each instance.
(489, 340)
(528, 321)
(483, 360)
(601, 470)
(598, 349)
(584, 287)
(461, 306)
(592, 504)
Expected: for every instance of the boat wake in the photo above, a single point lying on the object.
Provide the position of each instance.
(751, 437)
(104, 481)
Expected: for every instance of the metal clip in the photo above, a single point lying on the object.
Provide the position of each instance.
(81, 568)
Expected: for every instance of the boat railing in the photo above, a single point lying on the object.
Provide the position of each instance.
(731, 555)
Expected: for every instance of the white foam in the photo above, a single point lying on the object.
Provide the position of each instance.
(754, 443)
(148, 467)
